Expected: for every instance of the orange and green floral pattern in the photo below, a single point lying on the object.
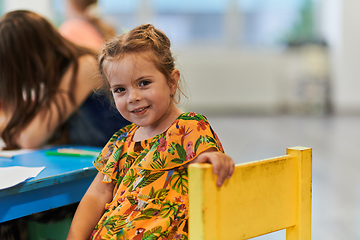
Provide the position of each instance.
(151, 180)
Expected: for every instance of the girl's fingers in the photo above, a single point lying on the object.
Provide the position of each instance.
(223, 165)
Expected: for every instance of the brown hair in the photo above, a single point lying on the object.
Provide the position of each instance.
(144, 38)
(105, 30)
(33, 59)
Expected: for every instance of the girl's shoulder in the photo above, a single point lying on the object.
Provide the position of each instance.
(121, 134)
(185, 139)
(191, 116)
(115, 143)
(190, 119)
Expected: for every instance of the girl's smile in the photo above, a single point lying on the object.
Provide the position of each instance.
(140, 111)
(142, 93)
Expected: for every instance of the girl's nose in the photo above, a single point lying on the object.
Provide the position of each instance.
(134, 96)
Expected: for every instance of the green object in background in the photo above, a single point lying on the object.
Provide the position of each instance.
(72, 152)
(305, 29)
(49, 231)
(55, 153)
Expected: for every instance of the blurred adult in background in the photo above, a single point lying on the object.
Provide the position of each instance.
(47, 88)
(83, 27)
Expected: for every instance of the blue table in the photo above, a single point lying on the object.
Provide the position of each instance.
(64, 181)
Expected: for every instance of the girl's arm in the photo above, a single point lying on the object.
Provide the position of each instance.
(223, 165)
(42, 127)
(91, 208)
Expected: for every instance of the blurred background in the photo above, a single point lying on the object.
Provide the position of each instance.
(268, 56)
(269, 74)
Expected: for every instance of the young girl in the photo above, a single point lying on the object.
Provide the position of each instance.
(47, 83)
(83, 27)
(143, 179)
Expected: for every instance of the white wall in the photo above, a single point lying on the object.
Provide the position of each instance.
(232, 80)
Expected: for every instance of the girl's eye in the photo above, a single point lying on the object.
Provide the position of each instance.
(144, 83)
(119, 90)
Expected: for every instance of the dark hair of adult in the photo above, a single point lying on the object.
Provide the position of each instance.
(33, 60)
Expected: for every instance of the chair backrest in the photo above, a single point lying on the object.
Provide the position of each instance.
(261, 197)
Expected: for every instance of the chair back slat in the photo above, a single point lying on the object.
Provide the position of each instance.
(261, 197)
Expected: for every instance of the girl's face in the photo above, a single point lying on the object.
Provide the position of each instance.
(141, 92)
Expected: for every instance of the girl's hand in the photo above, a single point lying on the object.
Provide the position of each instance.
(223, 165)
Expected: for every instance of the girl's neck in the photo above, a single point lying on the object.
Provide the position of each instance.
(143, 133)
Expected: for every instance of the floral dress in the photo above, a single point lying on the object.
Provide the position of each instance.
(150, 199)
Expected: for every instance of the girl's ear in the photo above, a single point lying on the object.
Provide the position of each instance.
(174, 80)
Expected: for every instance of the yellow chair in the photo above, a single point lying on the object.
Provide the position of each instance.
(260, 198)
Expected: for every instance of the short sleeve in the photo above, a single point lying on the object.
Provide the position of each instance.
(190, 135)
(107, 161)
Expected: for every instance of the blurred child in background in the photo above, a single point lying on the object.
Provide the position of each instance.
(83, 27)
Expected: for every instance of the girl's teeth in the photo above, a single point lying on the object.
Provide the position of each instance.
(139, 110)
